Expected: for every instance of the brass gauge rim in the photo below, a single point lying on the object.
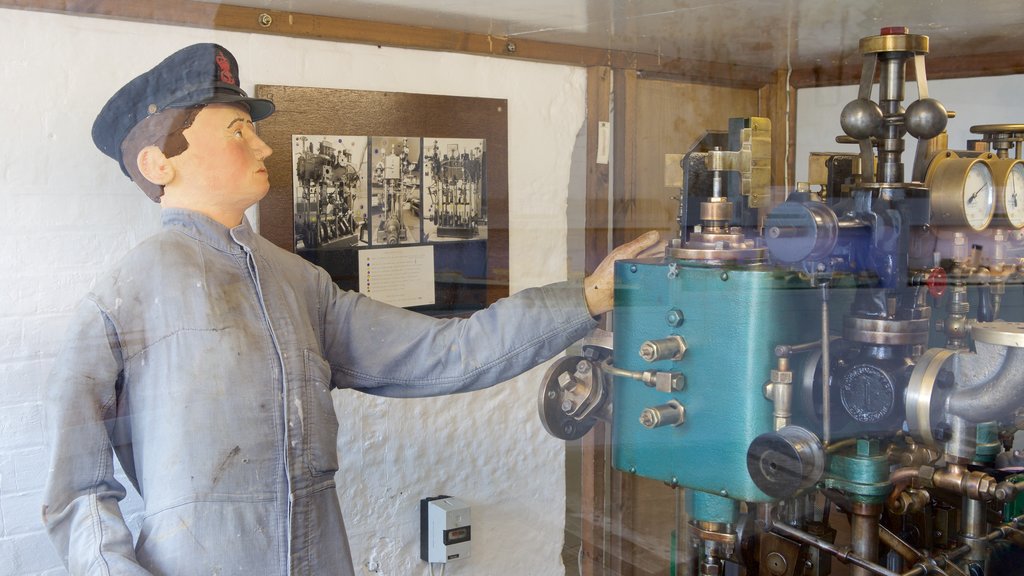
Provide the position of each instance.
(946, 178)
(987, 129)
(1001, 170)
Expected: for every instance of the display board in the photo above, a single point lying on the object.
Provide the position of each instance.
(403, 197)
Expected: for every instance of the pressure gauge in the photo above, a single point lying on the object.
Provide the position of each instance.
(963, 193)
(1008, 174)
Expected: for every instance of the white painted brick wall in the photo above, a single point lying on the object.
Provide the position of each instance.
(67, 214)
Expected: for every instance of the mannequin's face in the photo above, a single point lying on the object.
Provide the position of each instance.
(223, 164)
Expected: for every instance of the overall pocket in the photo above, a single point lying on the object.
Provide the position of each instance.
(320, 424)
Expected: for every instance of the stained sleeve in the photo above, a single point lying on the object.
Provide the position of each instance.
(81, 510)
(390, 351)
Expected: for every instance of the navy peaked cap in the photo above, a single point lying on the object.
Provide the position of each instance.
(195, 75)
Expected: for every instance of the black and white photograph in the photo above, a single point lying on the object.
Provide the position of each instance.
(331, 192)
(395, 191)
(455, 196)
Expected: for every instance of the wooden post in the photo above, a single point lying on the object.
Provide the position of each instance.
(595, 457)
(773, 99)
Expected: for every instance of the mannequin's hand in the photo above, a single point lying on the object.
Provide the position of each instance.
(600, 286)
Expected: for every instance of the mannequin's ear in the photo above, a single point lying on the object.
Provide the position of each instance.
(155, 166)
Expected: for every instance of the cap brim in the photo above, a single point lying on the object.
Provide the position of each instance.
(258, 107)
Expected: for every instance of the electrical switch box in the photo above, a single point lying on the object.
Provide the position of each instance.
(444, 529)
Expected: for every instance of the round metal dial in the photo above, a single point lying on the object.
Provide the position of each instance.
(979, 196)
(1012, 195)
(962, 192)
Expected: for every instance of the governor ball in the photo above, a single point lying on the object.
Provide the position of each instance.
(925, 118)
(861, 119)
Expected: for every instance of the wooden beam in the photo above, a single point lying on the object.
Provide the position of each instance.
(779, 105)
(598, 219)
(624, 191)
(595, 457)
(293, 24)
(939, 68)
(624, 223)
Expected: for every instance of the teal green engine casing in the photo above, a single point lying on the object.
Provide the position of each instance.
(732, 318)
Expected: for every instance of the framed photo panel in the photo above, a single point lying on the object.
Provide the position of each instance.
(403, 197)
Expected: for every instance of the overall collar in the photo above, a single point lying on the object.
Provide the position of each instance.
(209, 231)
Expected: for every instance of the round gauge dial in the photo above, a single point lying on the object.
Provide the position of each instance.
(979, 194)
(962, 192)
(1012, 194)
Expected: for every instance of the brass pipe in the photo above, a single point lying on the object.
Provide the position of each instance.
(904, 475)
(837, 446)
(956, 478)
(906, 551)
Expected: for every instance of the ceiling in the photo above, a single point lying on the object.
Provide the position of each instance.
(774, 34)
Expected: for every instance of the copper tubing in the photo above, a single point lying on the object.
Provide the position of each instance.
(903, 476)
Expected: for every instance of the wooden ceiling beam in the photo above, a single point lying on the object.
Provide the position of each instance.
(293, 24)
(939, 68)
(254, 20)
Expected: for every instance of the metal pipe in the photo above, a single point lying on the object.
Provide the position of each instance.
(837, 446)
(608, 368)
(782, 394)
(995, 398)
(904, 475)
(864, 524)
(973, 525)
(842, 554)
(826, 407)
(906, 551)
(926, 566)
(786, 350)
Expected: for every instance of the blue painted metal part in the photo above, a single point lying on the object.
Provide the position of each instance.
(733, 318)
(705, 507)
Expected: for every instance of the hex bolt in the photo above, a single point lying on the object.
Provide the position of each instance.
(649, 418)
(568, 406)
(670, 414)
(674, 317)
(945, 378)
(648, 351)
(671, 348)
(942, 432)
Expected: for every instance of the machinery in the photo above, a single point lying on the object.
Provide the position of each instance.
(394, 177)
(857, 350)
(328, 184)
(456, 192)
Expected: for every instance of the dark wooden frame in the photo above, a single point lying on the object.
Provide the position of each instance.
(302, 110)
